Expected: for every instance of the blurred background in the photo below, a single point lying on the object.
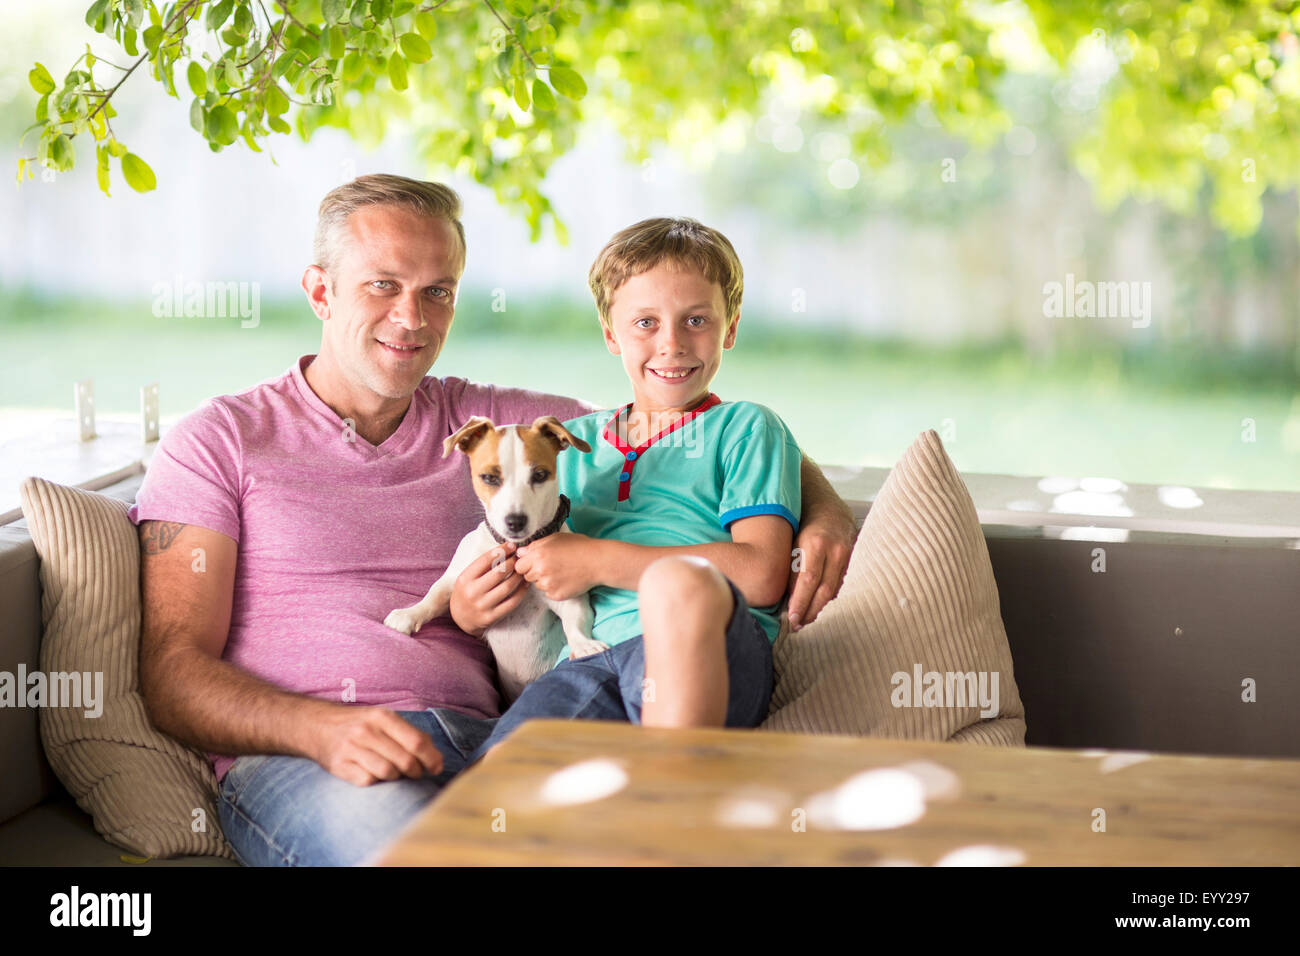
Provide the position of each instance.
(884, 294)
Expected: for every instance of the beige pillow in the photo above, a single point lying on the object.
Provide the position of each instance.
(141, 786)
(918, 608)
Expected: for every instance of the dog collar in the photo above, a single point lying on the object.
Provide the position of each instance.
(561, 513)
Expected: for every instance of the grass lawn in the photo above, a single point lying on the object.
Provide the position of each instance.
(849, 402)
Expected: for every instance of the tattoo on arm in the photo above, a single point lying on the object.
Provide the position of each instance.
(157, 536)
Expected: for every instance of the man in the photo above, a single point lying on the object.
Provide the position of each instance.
(279, 525)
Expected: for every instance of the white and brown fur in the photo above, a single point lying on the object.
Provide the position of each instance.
(513, 468)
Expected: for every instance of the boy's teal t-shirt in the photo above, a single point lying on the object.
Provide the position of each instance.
(726, 461)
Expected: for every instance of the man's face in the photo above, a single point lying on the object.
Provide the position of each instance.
(664, 322)
(393, 284)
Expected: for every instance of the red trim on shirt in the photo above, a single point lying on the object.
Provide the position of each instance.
(610, 434)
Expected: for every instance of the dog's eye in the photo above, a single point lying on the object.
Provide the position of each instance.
(540, 475)
(490, 479)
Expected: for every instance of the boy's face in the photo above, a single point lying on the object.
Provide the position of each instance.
(664, 322)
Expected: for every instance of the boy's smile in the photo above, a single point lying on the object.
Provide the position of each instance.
(669, 325)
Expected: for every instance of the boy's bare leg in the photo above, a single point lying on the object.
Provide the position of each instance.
(685, 605)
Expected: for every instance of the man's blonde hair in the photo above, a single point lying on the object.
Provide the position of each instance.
(686, 242)
(426, 198)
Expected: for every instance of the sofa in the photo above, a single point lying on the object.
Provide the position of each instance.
(1150, 655)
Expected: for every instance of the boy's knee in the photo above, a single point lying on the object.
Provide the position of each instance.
(684, 583)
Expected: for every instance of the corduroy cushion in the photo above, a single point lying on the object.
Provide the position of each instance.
(142, 787)
(918, 607)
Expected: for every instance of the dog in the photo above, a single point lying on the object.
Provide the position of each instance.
(513, 469)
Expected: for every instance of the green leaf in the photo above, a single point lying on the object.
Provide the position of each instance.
(543, 98)
(101, 172)
(381, 9)
(97, 10)
(353, 65)
(197, 119)
(223, 126)
(338, 42)
(333, 10)
(218, 14)
(116, 149)
(567, 82)
(426, 24)
(43, 109)
(279, 125)
(128, 43)
(522, 99)
(152, 37)
(243, 21)
(40, 79)
(520, 8)
(415, 48)
(62, 155)
(134, 13)
(197, 78)
(137, 173)
(232, 75)
(397, 71)
(276, 100)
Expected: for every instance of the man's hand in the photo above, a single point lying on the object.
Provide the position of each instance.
(823, 548)
(487, 590)
(364, 745)
(561, 564)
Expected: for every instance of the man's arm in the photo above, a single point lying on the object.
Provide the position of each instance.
(198, 698)
(823, 546)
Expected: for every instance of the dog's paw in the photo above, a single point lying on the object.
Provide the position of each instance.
(404, 619)
(585, 648)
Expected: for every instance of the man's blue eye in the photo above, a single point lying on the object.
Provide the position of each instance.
(380, 282)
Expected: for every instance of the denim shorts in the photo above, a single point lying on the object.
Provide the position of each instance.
(608, 686)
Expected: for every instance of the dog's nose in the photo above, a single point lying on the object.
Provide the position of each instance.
(515, 523)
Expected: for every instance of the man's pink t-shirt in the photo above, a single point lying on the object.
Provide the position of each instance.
(334, 533)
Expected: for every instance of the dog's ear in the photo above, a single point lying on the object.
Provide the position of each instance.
(470, 434)
(550, 426)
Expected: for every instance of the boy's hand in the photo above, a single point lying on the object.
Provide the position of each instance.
(487, 590)
(559, 564)
(827, 547)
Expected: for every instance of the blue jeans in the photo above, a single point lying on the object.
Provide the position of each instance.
(608, 685)
(291, 811)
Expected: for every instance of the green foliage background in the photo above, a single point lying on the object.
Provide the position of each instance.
(1202, 101)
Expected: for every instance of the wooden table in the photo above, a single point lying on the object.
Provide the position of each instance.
(586, 792)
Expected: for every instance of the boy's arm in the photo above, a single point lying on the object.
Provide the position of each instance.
(827, 531)
(756, 559)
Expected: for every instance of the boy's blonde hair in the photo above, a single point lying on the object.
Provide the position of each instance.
(642, 246)
(426, 198)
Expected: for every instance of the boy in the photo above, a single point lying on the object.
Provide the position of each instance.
(684, 512)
